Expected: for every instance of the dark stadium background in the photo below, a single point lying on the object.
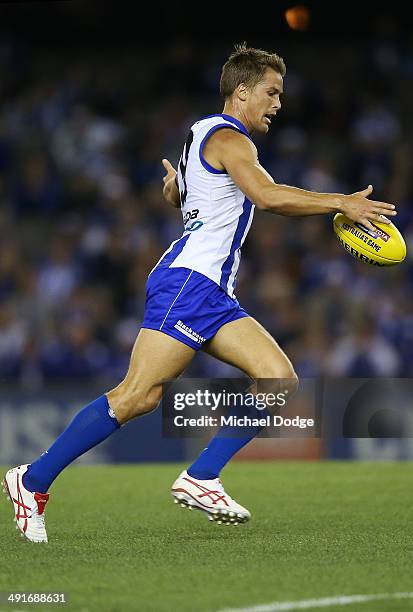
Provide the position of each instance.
(92, 97)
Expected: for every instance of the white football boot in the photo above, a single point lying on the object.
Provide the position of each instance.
(28, 507)
(210, 497)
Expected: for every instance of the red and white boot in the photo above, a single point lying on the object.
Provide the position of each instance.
(28, 506)
(209, 496)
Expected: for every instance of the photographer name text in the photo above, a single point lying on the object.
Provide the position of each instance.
(234, 421)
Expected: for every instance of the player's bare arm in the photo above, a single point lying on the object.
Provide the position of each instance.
(235, 153)
(170, 188)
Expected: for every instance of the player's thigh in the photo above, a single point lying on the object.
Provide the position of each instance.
(156, 357)
(247, 345)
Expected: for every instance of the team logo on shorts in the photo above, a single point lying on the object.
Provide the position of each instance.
(187, 331)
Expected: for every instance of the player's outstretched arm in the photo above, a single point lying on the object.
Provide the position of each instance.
(170, 188)
(238, 155)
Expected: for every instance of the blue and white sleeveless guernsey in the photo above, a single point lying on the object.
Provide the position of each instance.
(190, 291)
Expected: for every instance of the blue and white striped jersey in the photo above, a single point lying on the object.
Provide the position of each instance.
(216, 214)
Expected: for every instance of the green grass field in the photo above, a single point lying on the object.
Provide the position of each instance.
(118, 543)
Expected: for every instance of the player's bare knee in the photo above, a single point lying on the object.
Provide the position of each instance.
(278, 379)
(290, 381)
(280, 383)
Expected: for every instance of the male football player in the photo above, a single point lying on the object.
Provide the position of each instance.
(190, 301)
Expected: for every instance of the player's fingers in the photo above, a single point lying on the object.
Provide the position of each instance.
(366, 192)
(383, 205)
(168, 166)
(377, 216)
(382, 211)
(368, 224)
(383, 219)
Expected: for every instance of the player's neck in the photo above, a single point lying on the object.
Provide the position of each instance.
(230, 110)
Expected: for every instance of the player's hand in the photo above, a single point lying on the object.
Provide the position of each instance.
(170, 171)
(357, 207)
(170, 187)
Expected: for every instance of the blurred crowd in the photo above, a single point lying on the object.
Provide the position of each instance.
(83, 221)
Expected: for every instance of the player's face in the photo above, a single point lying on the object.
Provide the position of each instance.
(264, 101)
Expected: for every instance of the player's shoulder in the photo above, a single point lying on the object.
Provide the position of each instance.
(232, 140)
(228, 134)
(224, 135)
(220, 120)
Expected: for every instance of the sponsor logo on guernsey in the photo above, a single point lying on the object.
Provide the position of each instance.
(187, 331)
(194, 226)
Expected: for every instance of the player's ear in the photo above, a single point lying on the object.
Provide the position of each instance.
(241, 91)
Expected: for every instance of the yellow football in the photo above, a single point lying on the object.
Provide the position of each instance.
(383, 247)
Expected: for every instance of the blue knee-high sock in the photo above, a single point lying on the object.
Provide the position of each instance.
(223, 446)
(89, 427)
